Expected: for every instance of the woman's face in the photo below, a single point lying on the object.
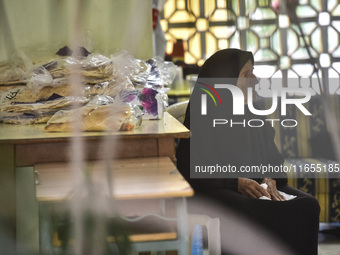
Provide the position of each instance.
(247, 79)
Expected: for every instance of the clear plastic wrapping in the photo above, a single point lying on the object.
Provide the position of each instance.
(11, 75)
(167, 71)
(154, 72)
(15, 72)
(49, 105)
(25, 118)
(101, 100)
(152, 102)
(154, 78)
(10, 95)
(105, 81)
(29, 94)
(150, 78)
(109, 117)
(39, 112)
(110, 88)
(93, 67)
(136, 69)
(40, 78)
(134, 121)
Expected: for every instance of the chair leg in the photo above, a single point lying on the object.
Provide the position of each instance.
(214, 236)
(45, 230)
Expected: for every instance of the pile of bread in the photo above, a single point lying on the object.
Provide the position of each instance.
(65, 83)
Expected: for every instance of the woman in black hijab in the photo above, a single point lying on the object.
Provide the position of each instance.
(219, 137)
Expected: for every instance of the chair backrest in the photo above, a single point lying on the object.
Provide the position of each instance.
(178, 110)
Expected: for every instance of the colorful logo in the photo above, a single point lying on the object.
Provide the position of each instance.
(239, 99)
(209, 93)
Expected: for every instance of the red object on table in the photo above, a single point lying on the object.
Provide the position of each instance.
(178, 51)
(155, 14)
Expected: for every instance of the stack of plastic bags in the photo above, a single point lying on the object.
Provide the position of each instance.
(116, 92)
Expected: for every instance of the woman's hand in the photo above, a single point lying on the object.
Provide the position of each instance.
(272, 190)
(251, 188)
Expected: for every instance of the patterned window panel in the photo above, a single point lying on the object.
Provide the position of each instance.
(278, 44)
(326, 190)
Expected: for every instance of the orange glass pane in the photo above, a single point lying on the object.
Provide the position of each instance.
(202, 25)
(169, 47)
(221, 4)
(164, 25)
(200, 62)
(182, 17)
(209, 7)
(194, 7)
(189, 59)
(220, 15)
(195, 46)
(211, 44)
(169, 8)
(223, 44)
(182, 33)
(181, 4)
(222, 32)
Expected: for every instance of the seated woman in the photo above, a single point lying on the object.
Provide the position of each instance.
(222, 136)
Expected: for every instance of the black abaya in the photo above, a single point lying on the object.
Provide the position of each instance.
(293, 222)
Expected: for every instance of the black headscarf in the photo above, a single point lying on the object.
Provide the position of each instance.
(225, 63)
(236, 146)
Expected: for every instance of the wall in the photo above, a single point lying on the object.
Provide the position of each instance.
(41, 27)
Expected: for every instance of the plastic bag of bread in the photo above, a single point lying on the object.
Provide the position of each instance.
(37, 112)
(91, 118)
(110, 88)
(94, 68)
(151, 101)
(28, 94)
(25, 118)
(14, 72)
(43, 106)
(137, 70)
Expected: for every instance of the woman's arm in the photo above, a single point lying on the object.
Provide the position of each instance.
(275, 158)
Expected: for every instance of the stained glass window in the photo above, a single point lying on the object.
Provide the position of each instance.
(278, 43)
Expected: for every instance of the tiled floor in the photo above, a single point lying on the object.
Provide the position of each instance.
(329, 239)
